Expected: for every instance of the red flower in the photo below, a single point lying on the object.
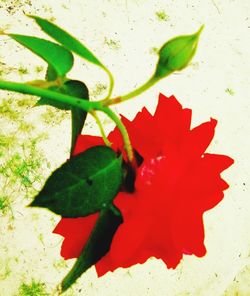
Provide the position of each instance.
(176, 183)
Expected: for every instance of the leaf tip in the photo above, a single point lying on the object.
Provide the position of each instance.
(31, 204)
(2, 32)
(197, 34)
(30, 15)
(35, 203)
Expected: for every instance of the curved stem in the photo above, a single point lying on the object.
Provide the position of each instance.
(136, 92)
(123, 130)
(111, 81)
(98, 122)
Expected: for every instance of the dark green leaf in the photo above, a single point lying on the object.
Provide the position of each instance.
(74, 88)
(66, 39)
(71, 87)
(78, 116)
(97, 246)
(176, 54)
(51, 74)
(83, 185)
(55, 55)
(58, 105)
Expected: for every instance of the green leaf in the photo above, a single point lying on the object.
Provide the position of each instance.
(83, 185)
(51, 52)
(70, 87)
(176, 54)
(78, 116)
(73, 88)
(58, 105)
(97, 246)
(51, 74)
(55, 55)
(66, 39)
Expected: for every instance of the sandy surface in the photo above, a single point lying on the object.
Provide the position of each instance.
(124, 34)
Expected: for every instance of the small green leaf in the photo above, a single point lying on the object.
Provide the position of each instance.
(55, 55)
(83, 185)
(51, 74)
(78, 116)
(176, 54)
(97, 246)
(58, 105)
(73, 88)
(66, 39)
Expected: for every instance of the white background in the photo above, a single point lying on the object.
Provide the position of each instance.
(222, 62)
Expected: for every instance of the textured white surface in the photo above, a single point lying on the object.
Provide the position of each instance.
(222, 62)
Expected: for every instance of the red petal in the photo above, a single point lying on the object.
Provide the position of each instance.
(76, 232)
(173, 121)
(198, 140)
(84, 142)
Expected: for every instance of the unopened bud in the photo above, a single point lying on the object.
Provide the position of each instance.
(176, 54)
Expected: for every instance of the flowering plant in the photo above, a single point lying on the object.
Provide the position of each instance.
(142, 190)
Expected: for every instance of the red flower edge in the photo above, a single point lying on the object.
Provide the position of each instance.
(176, 183)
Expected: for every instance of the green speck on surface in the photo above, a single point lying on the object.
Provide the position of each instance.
(26, 127)
(26, 102)
(60, 264)
(39, 69)
(230, 91)
(22, 70)
(98, 90)
(4, 205)
(6, 141)
(41, 238)
(112, 44)
(161, 16)
(2, 202)
(21, 162)
(154, 50)
(7, 110)
(19, 169)
(54, 116)
(6, 271)
(11, 108)
(32, 289)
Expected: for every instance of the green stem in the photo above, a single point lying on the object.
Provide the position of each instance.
(40, 92)
(111, 81)
(98, 122)
(134, 93)
(139, 90)
(123, 131)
